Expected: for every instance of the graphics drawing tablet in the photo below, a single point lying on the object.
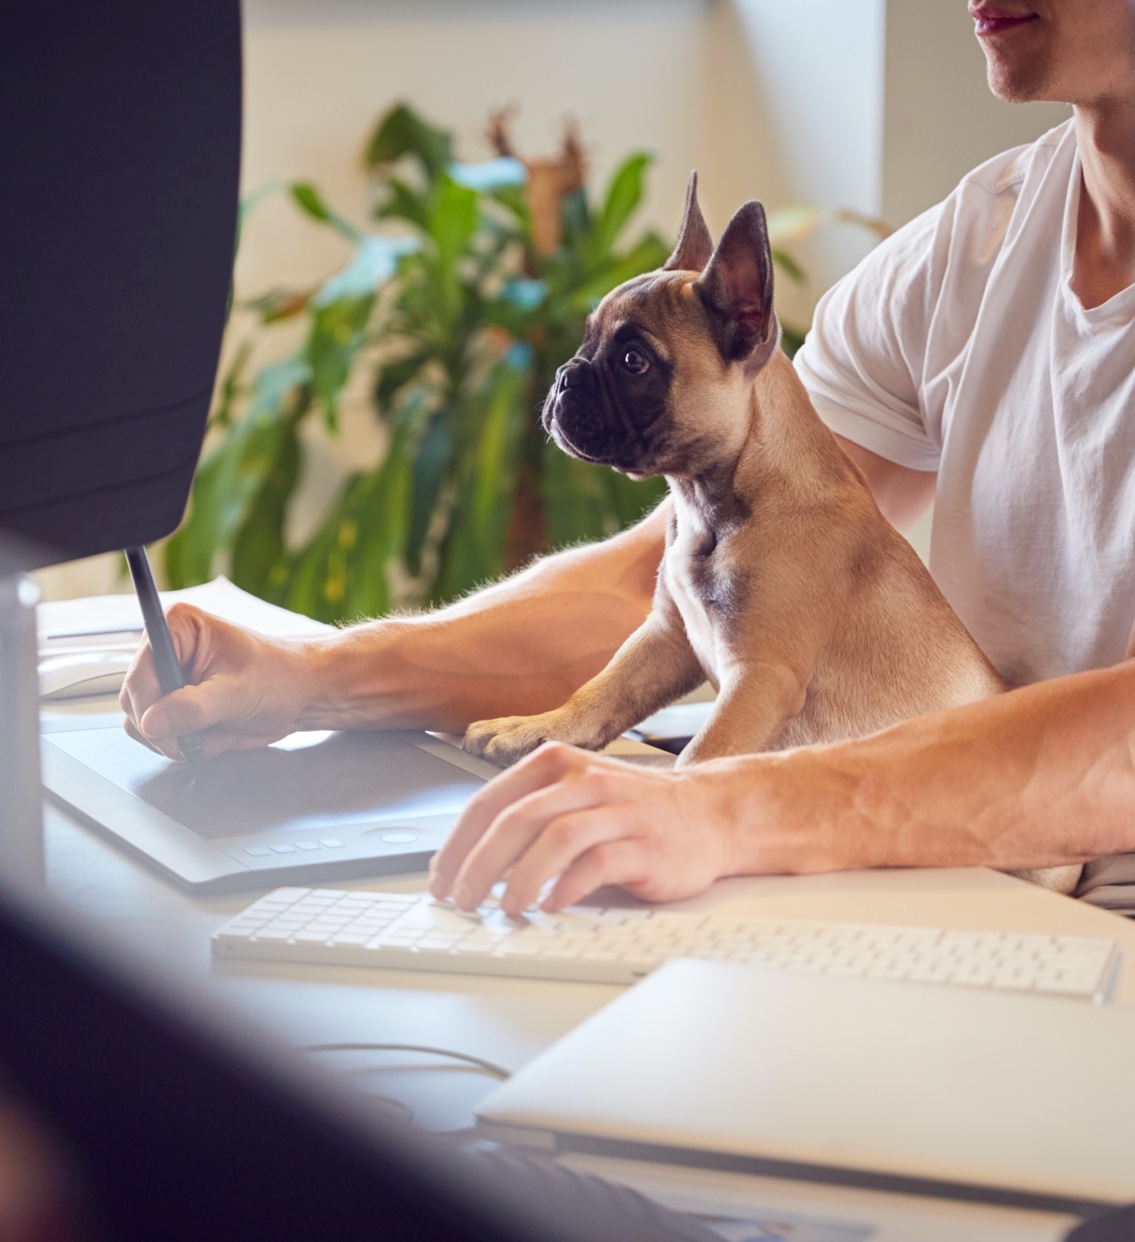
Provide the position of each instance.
(312, 808)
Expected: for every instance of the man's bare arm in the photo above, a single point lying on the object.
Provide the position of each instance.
(901, 493)
(1041, 776)
(1038, 777)
(522, 645)
(518, 647)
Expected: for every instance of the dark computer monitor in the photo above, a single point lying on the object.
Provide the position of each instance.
(120, 157)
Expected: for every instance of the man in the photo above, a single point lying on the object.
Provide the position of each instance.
(981, 358)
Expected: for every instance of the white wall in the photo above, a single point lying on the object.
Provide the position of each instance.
(939, 120)
(811, 130)
(878, 105)
(319, 72)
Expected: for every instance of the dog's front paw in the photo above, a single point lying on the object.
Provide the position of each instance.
(508, 739)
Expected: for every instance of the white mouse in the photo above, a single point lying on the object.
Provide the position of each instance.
(79, 674)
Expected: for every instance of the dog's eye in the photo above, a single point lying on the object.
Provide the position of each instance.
(636, 362)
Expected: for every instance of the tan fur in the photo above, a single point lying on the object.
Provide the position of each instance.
(781, 582)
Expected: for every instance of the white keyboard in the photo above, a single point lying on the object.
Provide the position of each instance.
(412, 931)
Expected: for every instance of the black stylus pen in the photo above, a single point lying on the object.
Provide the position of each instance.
(170, 676)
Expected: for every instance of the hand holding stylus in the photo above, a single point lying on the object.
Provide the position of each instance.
(170, 675)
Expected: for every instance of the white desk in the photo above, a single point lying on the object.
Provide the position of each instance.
(508, 1021)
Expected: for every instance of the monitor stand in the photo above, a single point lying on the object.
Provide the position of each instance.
(21, 798)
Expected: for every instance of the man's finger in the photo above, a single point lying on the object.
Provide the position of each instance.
(538, 770)
(140, 688)
(169, 749)
(623, 862)
(509, 836)
(178, 713)
(522, 827)
(556, 847)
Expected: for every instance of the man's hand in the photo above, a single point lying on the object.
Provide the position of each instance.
(581, 821)
(245, 690)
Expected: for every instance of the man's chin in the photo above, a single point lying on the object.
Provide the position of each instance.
(1019, 83)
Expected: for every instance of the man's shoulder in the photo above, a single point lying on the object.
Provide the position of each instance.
(978, 210)
(1007, 171)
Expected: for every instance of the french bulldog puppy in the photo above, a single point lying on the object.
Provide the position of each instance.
(781, 582)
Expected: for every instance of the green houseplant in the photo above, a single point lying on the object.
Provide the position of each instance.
(465, 319)
(460, 301)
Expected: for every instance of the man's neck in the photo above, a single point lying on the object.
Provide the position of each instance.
(1105, 233)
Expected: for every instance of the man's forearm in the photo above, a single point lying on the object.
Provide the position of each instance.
(1038, 777)
(518, 647)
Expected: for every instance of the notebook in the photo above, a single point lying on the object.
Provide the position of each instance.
(955, 1092)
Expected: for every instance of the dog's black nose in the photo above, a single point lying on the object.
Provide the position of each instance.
(574, 373)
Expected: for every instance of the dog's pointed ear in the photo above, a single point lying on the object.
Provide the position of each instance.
(694, 244)
(736, 288)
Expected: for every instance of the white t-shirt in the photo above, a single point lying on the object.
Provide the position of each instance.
(958, 346)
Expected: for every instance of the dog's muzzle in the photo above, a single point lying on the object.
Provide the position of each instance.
(573, 413)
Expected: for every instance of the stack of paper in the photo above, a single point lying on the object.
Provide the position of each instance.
(86, 645)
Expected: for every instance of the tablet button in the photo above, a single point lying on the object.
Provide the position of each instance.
(330, 842)
(257, 851)
(399, 838)
(307, 845)
(284, 848)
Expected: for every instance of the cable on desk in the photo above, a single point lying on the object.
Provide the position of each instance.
(487, 1067)
(391, 1109)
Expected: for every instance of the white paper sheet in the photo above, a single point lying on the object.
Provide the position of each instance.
(85, 644)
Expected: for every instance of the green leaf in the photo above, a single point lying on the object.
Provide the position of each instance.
(435, 451)
(311, 201)
(314, 588)
(258, 554)
(575, 499)
(649, 253)
(453, 220)
(395, 374)
(232, 475)
(381, 508)
(473, 551)
(497, 453)
(577, 222)
(513, 199)
(623, 195)
(791, 338)
(791, 268)
(398, 201)
(454, 216)
(336, 336)
(230, 387)
(342, 573)
(189, 552)
(402, 132)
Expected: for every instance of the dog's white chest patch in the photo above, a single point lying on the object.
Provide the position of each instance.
(681, 566)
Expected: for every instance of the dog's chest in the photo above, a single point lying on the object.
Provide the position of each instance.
(699, 584)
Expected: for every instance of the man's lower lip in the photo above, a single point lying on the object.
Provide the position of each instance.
(998, 25)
